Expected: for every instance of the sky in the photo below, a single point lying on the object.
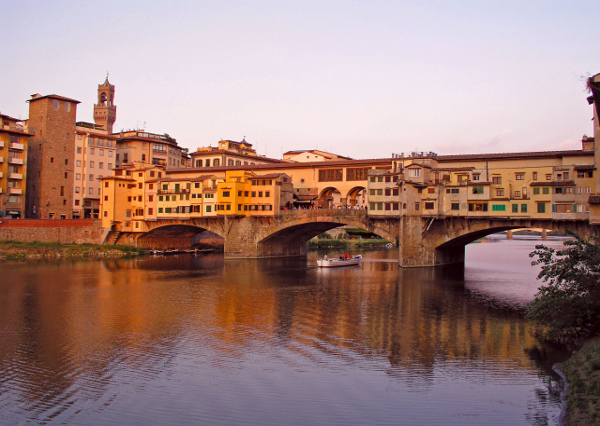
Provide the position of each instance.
(364, 79)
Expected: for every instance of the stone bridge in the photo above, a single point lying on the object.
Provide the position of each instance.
(422, 241)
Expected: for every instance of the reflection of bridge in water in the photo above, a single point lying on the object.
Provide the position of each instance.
(422, 240)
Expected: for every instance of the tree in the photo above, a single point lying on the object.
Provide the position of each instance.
(568, 305)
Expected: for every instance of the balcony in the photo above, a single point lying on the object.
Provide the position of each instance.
(15, 176)
(563, 198)
(15, 161)
(15, 191)
(17, 146)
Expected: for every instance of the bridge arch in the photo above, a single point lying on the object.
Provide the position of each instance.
(442, 240)
(328, 197)
(356, 196)
(290, 237)
(179, 234)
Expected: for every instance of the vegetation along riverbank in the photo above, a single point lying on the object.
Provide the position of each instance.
(567, 306)
(16, 250)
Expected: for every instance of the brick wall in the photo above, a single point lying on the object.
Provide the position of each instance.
(62, 231)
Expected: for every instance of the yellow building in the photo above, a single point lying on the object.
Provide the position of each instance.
(14, 139)
(233, 195)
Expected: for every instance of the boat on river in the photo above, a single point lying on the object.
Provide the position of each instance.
(341, 261)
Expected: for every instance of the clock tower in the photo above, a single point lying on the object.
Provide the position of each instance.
(105, 111)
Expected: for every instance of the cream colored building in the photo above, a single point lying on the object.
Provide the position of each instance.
(312, 155)
(228, 153)
(95, 156)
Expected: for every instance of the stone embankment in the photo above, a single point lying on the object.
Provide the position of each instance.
(582, 371)
(24, 239)
(68, 231)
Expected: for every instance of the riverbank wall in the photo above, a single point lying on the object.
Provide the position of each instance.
(66, 231)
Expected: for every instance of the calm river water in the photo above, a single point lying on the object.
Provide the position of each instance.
(196, 340)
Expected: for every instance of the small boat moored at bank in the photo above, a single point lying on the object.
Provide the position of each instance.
(339, 262)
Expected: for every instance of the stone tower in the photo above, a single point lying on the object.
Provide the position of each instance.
(105, 111)
(50, 155)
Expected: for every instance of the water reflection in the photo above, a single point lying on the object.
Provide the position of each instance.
(81, 341)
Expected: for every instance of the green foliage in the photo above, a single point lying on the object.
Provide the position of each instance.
(324, 236)
(568, 304)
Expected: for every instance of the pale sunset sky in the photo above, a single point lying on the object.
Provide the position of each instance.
(363, 79)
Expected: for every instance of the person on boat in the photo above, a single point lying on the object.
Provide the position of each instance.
(325, 257)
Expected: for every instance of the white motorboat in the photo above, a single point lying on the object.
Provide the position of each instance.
(341, 261)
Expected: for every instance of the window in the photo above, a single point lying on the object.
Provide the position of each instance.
(515, 208)
(91, 178)
(55, 104)
(452, 190)
(536, 191)
(330, 175)
(476, 177)
(548, 176)
(77, 176)
(429, 205)
(497, 180)
(534, 175)
(91, 191)
(78, 150)
(388, 192)
(455, 206)
(78, 163)
(77, 190)
(92, 151)
(478, 207)
(91, 164)
(67, 106)
(517, 194)
(414, 172)
(478, 190)
(523, 208)
(431, 190)
(62, 191)
(100, 165)
(520, 176)
(498, 207)
(101, 152)
(541, 207)
(225, 193)
(356, 174)
(546, 190)
(208, 209)
(500, 192)
(417, 205)
(160, 209)
(110, 153)
(267, 193)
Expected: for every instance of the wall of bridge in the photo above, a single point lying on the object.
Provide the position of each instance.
(422, 241)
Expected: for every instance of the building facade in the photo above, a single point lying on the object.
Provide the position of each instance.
(51, 153)
(14, 140)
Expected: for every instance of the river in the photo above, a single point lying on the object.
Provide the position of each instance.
(199, 340)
